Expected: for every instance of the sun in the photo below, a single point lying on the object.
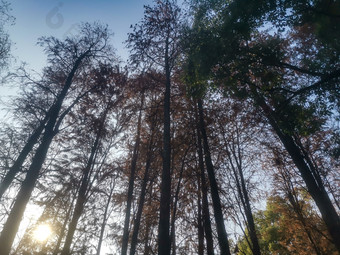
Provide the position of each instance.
(42, 232)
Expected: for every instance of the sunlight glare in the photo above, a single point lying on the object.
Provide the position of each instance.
(42, 232)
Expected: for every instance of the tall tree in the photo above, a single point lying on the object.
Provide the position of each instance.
(68, 58)
(202, 176)
(133, 169)
(155, 41)
(237, 136)
(146, 179)
(221, 231)
(272, 70)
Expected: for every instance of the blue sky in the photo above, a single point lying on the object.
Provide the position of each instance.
(35, 18)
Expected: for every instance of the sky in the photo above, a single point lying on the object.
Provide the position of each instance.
(36, 18)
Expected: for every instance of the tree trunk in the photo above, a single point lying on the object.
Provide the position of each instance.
(173, 218)
(16, 167)
(137, 220)
(221, 232)
(13, 221)
(294, 201)
(62, 231)
(315, 188)
(147, 248)
(205, 204)
(164, 242)
(81, 199)
(242, 191)
(200, 230)
(105, 217)
(135, 153)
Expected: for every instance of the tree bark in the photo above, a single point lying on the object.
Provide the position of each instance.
(205, 204)
(164, 242)
(200, 229)
(62, 231)
(137, 220)
(221, 232)
(294, 201)
(16, 167)
(135, 153)
(173, 218)
(105, 217)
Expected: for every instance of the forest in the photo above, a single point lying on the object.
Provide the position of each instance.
(220, 135)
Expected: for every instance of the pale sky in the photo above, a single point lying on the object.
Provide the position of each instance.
(35, 18)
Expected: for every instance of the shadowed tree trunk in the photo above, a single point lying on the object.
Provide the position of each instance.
(155, 42)
(173, 218)
(16, 167)
(135, 153)
(105, 217)
(235, 160)
(294, 202)
(200, 229)
(164, 242)
(221, 232)
(62, 231)
(84, 187)
(205, 204)
(137, 220)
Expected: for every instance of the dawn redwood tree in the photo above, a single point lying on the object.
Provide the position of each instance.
(155, 42)
(152, 119)
(291, 77)
(133, 169)
(237, 129)
(67, 59)
(94, 128)
(203, 185)
(85, 183)
(221, 231)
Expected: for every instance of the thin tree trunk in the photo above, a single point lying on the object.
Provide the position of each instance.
(137, 220)
(173, 218)
(164, 242)
(105, 217)
(81, 199)
(13, 221)
(242, 191)
(221, 232)
(62, 231)
(147, 247)
(315, 188)
(16, 167)
(135, 153)
(205, 204)
(200, 229)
